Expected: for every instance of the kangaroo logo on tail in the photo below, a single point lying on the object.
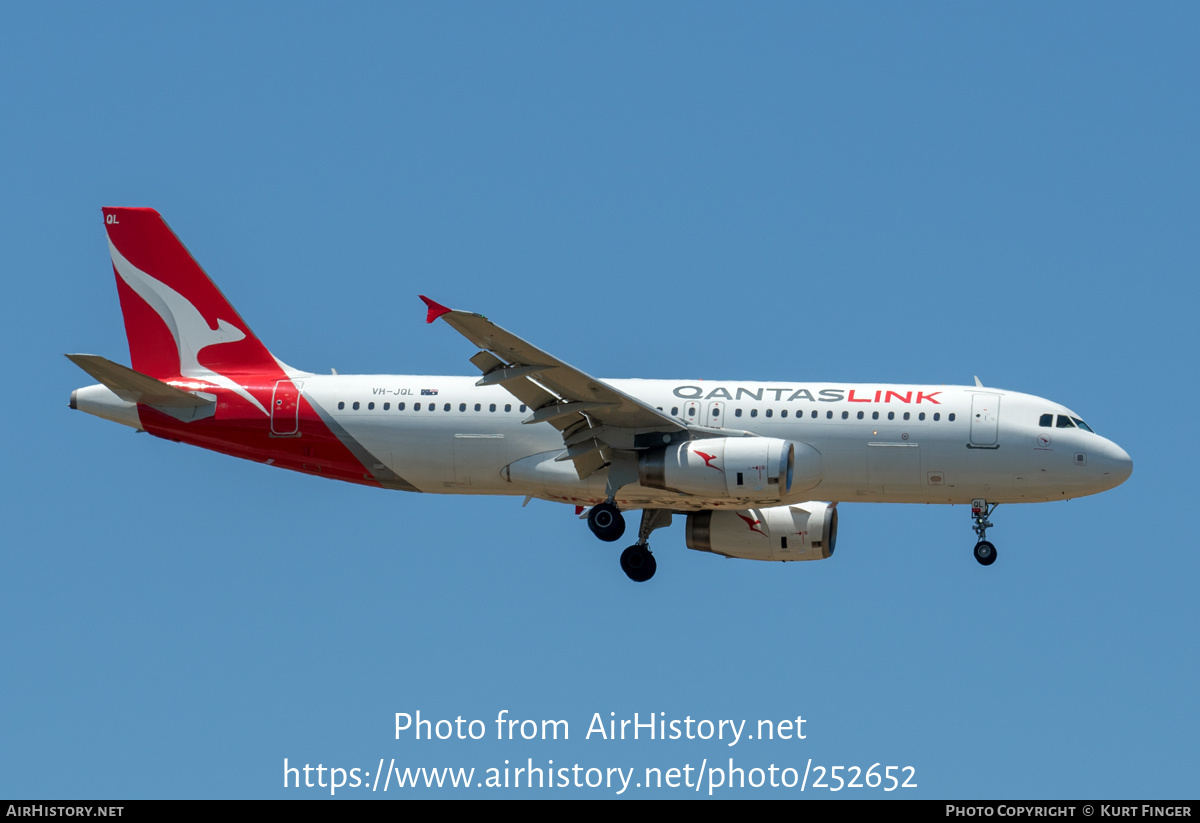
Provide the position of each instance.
(183, 297)
(189, 328)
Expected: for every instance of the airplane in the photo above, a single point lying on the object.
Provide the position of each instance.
(740, 461)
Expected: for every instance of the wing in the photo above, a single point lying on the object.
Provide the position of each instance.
(593, 416)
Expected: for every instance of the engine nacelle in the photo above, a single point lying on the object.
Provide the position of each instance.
(748, 468)
(806, 531)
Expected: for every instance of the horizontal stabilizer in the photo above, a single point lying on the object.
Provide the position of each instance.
(135, 387)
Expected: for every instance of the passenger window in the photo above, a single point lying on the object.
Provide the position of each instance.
(341, 404)
(492, 407)
(770, 412)
(783, 413)
(416, 406)
(845, 415)
(860, 415)
(387, 406)
(1046, 421)
(874, 415)
(674, 411)
(906, 415)
(754, 412)
(891, 415)
(356, 405)
(937, 416)
(508, 407)
(921, 416)
(828, 415)
(522, 408)
(478, 407)
(814, 414)
(737, 412)
(399, 407)
(950, 417)
(446, 407)
(462, 407)
(371, 406)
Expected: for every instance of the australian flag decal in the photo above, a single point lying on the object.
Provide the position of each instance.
(427, 392)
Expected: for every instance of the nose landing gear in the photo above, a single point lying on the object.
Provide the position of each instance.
(985, 552)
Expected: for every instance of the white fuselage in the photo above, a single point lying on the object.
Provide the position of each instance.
(877, 442)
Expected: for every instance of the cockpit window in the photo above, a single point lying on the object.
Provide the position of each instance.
(1064, 422)
(1082, 425)
(1046, 421)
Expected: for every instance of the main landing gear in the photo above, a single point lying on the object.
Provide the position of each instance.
(606, 522)
(985, 552)
(637, 561)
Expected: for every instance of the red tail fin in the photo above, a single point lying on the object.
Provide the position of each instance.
(177, 321)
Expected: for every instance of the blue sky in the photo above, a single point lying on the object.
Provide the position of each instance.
(915, 192)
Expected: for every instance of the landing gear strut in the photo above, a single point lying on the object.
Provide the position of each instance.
(637, 561)
(606, 522)
(985, 552)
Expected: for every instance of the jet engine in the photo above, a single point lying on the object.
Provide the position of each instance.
(806, 531)
(749, 468)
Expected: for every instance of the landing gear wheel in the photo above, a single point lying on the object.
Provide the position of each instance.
(985, 553)
(606, 522)
(638, 563)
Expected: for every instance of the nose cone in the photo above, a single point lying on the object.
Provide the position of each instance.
(1118, 464)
